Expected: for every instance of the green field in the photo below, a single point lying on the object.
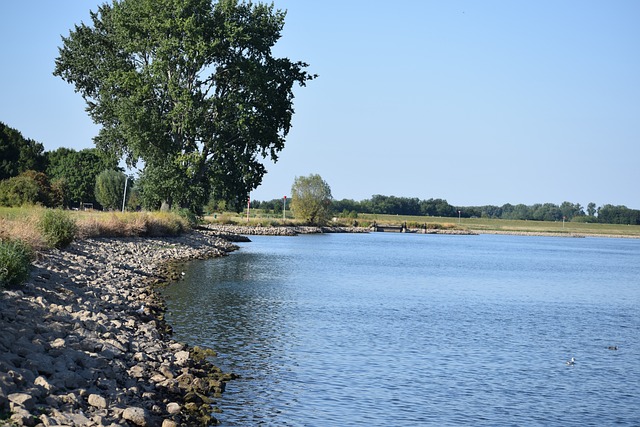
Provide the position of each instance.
(504, 225)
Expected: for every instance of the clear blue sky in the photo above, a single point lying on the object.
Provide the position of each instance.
(476, 102)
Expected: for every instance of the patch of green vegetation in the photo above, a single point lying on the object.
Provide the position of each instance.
(58, 228)
(15, 262)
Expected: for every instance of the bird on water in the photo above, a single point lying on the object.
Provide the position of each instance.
(571, 362)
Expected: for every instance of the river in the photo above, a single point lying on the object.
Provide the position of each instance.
(390, 329)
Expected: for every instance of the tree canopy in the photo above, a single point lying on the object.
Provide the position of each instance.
(18, 154)
(190, 87)
(110, 186)
(311, 199)
(78, 171)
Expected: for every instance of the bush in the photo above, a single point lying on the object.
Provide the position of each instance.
(57, 227)
(28, 188)
(189, 216)
(15, 262)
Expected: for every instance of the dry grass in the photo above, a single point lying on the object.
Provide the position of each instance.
(111, 224)
(22, 224)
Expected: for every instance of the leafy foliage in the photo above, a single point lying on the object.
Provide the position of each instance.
(190, 87)
(78, 170)
(311, 199)
(15, 262)
(110, 185)
(58, 228)
(28, 188)
(618, 215)
(17, 154)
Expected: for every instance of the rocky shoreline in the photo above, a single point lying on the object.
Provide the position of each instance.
(237, 231)
(84, 343)
(234, 230)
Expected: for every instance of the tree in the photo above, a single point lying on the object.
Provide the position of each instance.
(28, 188)
(190, 87)
(110, 185)
(311, 199)
(591, 209)
(17, 154)
(79, 170)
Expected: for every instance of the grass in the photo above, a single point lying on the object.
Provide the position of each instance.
(474, 224)
(26, 230)
(504, 225)
(29, 224)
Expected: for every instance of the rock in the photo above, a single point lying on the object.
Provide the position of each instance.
(137, 371)
(173, 408)
(22, 399)
(166, 371)
(42, 382)
(58, 343)
(137, 416)
(97, 401)
(73, 351)
(22, 417)
(182, 357)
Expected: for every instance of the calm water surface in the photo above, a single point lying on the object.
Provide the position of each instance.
(393, 329)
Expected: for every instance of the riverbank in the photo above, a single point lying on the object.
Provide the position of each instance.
(84, 342)
(235, 232)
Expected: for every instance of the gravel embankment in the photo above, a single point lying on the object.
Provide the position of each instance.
(83, 342)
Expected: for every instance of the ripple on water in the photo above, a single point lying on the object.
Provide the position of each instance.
(420, 330)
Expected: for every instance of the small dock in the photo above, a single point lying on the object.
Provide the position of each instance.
(390, 228)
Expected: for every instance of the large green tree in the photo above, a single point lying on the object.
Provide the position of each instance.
(190, 87)
(18, 154)
(311, 199)
(78, 170)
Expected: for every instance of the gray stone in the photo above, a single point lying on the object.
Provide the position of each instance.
(42, 382)
(22, 417)
(182, 357)
(137, 416)
(173, 408)
(58, 343)
(22, 399)
(169, 423)
(97, 401)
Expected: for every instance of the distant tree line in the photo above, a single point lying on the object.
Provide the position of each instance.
(61, 178)
(392, 205)
(68, 178)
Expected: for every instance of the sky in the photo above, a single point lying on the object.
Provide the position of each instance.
(475, 102)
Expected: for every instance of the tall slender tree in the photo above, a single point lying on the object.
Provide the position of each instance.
(190, 87)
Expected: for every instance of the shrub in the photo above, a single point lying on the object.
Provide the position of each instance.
(15, 262)
(28, 188)
(189, 216)
(57, 227)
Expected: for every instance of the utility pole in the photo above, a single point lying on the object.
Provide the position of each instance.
(124, 196)
(284, 208)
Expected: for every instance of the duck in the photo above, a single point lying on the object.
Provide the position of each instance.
(612, 347)
(571, 362)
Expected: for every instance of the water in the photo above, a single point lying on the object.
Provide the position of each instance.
(393, 329)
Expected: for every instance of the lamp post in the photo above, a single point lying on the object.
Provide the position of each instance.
(124, 196)
(284, 208)
(248, 207)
